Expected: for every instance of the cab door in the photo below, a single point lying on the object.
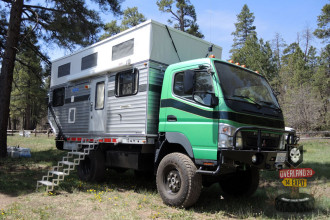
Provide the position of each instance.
(97, 119)
(194, 119)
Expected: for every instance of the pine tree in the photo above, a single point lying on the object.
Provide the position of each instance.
(184, 16)
(323, 30)
(131, 18)
(65, 23)
(244, 28)
(28, 96)
(258, 56)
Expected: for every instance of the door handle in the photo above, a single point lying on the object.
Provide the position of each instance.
(171, 118)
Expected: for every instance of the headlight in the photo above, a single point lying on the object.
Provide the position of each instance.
(226, 133)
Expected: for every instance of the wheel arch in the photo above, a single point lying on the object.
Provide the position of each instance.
(173, 142)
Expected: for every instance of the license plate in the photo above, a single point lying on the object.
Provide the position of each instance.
(280, 157)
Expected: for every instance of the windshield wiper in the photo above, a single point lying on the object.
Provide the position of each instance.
(271, 105)
(250, 99)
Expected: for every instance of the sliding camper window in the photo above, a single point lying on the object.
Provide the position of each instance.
(89, 61)
(123, 49)
(58, 97)
(99, 97)
(127, 83)
(63, 70)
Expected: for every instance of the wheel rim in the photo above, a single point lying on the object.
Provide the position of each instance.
(172, 181)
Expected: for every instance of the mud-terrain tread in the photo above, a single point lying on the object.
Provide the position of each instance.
(194, 180)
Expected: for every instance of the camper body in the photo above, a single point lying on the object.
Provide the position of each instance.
(152, 105)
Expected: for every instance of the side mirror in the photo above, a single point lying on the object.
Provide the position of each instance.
(188, 81)
(206, 98)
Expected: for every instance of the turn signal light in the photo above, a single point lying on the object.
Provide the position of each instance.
(230, 61)
(211, 56)
(237, 64)
(244, 66)
(257, 71)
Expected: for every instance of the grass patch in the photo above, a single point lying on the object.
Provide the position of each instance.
(127, 196)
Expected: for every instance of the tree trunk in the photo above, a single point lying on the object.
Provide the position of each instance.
(7, 69)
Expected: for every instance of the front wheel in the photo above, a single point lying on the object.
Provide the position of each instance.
(177, 181)
(242, 183)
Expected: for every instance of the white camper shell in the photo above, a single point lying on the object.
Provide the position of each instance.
(110, 91)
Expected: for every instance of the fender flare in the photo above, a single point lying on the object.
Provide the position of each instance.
(179, 138)
(176, 138)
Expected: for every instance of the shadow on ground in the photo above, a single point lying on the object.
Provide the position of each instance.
(19, 177)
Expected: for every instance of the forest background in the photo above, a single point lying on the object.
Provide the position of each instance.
(298, 70)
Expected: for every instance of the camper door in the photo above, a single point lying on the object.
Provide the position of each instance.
(97, 105)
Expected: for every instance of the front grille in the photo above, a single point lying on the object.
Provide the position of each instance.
(269, 141)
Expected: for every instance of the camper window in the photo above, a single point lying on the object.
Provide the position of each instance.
(89, 61)
(58, 97)
(64, 70)
(127, 83)
(123, 49)
(99, 98)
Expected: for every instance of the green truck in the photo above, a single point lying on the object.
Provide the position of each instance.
(218, 122)
(192, 123)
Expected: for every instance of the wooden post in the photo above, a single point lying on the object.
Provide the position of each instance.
(294, 190)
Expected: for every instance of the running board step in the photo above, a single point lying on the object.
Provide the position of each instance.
(67, 164)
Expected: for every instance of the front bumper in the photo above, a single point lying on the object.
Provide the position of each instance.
(267, 160)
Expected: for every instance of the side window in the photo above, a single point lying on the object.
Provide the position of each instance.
(203, 83)
(89, 61)
(123, 49)
(178, 86)
(127, 83)
(63, 70)
(99, 97)
(58, 97)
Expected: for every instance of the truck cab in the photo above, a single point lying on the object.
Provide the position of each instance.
(226, 119)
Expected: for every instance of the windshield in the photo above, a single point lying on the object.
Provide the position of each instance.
(242, 85)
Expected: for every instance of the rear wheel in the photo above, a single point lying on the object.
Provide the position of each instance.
(241, 183)
(93, 167)
(177, 181)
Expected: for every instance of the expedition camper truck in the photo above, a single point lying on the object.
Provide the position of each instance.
(147, 100)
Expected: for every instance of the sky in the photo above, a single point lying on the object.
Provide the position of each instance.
(216, 19)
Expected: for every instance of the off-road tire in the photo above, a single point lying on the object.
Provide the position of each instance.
(180, 171)
(303, 203)
(241, 183)
(92, 169)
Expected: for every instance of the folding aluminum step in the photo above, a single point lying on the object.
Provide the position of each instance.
(58, 173)
(46, 183)
(68, 163)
